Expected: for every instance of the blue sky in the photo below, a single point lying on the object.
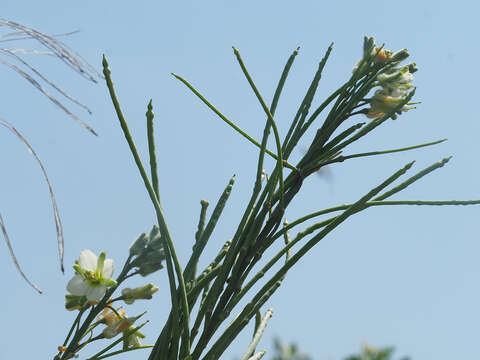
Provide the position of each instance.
(406, 277)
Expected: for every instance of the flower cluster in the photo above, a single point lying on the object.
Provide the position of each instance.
(395, 84)
(93, 277)
(375, 56)
(148, 252)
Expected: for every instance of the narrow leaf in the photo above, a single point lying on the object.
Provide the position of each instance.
(37, 85)
(58, 223)
(15, 261)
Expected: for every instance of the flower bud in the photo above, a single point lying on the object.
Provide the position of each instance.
(138, 246)
(148, 251)
(368, 45)
(382, 56)
(142, 292)
(155, 242)
(155, 232)
(149, 268)
(400, 55)
(412, 68)
(389, 77)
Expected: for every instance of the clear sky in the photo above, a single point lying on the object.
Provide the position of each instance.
(406, 277)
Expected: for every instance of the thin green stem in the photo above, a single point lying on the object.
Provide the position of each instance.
(371, 125)
(258, 335)
(287, 240)
(151, 150)
(203, 281)
(161, 220)
(298, 127)
(224, 118)
(272, 123)
(206, 277)
(413, 178)
(127, 333)
(123, 351)
(381, 152)
(336, 158)
(267, 290)
(189, 274)
(273, 107)
(281, 82)
(231, 257)
(286, 250)
(342, 136)
(76, 321)
(90, 329)
(324, 223)
(258, 355)
(207, 232)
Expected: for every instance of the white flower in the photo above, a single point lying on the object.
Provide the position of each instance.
(93, 276)
(110, 317)
(395, 86)
(118, 322)
(383, 103)
(133, 340)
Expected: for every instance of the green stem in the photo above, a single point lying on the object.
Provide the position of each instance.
(272, 123)
(189, 274)
(123, 351)
(228, 263)
(267, 290)
(151, 150)
(207, 232)
(127, 333)
(151, 192)
(381, 152)
(413, 178)
(258, 334)
(224, 118)
(297, 129)
(323, 223)
(371, 125)
(273, 107)
(77, 320)
(258, 355)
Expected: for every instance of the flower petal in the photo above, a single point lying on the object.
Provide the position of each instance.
(108, 269)
(133, 341)
(77, 286)
(96, 293)
(87, 260)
